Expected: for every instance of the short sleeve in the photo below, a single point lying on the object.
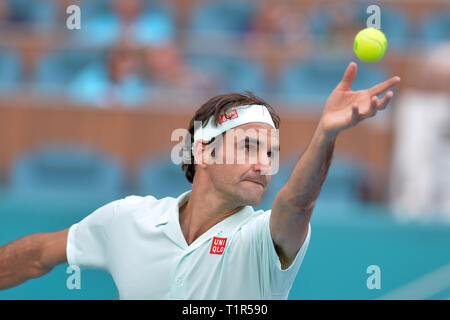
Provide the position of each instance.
(88, 239)
(282, 280)
(279, 281)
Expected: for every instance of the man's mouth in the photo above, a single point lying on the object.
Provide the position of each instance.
(257, 182)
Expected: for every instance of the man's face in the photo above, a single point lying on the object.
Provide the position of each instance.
(242, 167)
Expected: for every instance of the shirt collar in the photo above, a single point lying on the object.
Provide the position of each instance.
(173, 211)
(170, 223)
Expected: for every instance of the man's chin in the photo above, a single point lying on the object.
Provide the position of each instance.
(253, 196)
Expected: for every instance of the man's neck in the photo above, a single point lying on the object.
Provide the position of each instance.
(202, 211)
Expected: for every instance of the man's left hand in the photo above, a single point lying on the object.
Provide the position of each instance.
(345, 108)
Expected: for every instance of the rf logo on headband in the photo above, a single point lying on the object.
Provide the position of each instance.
(232, 114)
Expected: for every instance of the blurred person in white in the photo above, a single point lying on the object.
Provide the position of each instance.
(117, 82)
(420, 179)
(170, 75)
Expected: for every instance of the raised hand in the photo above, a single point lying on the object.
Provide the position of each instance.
(345, 108)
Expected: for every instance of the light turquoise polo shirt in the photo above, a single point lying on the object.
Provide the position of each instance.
(139, 241)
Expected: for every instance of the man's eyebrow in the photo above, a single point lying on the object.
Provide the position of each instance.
(251, 140)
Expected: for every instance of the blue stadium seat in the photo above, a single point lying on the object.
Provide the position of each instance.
(437, 29)
(311, 82)
(56, 69)
(160, 177)
(218, 18)
(36, 13)
(320, 20)
(319, 24)
(10, 71)
(92, 86)
(165, 8)
(92, 8)
(397, 28)
(342, 181)
(233, 74)
(340, 186)
(155, 26)
(58, 172)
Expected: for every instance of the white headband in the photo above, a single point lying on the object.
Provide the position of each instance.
(237, 116)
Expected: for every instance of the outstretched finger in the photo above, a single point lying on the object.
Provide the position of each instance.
(382, 103)
(349, 76)
(383, 86)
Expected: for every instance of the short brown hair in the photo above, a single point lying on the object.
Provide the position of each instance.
(216, 106)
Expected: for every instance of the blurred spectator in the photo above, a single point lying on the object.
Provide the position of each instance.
(278, 32)
(420, 182)
(436, 28)
(128, 21)
(335, 25)
(168, 71)
(116, 82)
(236, 73)
(220, 19)
(280, 24)
(34, 14)
(4, 12)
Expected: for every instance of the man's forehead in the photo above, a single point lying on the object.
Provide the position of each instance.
(256, 126)
(259, 133)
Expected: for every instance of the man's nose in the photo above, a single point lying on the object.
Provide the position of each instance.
(263, 164)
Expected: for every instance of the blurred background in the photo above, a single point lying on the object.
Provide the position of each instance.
(86, 117)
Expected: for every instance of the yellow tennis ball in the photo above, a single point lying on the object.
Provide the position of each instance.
(370, 44)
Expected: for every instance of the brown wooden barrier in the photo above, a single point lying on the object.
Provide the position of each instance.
(134, 135)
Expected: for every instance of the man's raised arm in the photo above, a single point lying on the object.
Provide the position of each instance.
(294, 203)
(31, 257)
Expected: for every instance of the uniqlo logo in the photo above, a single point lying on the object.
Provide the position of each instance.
(232, 114)
(218, 245)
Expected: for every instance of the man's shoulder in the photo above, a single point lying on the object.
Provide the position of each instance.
(144, 205)
(253, 218)
(135, 201)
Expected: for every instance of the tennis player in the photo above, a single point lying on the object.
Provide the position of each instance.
(209, 242)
